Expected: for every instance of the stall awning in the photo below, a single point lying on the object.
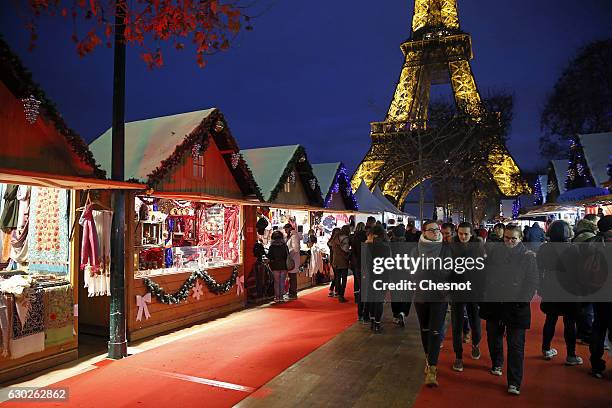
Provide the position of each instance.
(30, 178)
(598, 200)
(546, 209)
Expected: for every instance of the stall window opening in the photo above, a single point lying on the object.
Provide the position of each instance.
(198, 167)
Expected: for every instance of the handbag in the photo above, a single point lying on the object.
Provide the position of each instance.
(290, 263)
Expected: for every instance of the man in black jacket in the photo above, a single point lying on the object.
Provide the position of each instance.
(511, 281)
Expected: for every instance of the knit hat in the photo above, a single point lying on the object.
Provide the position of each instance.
(605, 223)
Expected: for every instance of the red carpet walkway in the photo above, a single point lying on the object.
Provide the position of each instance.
(219, 367)
(545, 383)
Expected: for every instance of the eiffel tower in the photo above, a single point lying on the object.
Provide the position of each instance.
(438, 52)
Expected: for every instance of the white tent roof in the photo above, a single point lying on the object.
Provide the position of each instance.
(367, 202)
(597, 148)
(560, 167)
(386, 203)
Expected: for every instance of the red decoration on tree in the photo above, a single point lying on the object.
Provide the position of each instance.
(209, 23)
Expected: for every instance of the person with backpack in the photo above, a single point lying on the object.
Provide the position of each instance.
(586, 229)
(277, 256)
(602, 322)
(548, 260)
(511, 279)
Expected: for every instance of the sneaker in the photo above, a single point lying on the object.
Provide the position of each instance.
(431, 376)
(377, 328)
(549, 354)
(514, 390)
(335, 294)
(458, 365)
(597, 374)
(497, 371)
(573, 361)
(475, 351)
(402, 319)
(365, 320)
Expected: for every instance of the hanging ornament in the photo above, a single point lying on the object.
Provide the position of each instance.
(292, 177)
(196, 151)
(219, 126)
(313, 183)
(30, 107)
(235, 160)
(198, 290)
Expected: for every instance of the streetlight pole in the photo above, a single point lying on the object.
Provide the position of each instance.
(117, 344)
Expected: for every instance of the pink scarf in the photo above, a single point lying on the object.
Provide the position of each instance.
(89, 246)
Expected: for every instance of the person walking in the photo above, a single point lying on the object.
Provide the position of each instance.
(602, 322)
(466, 246)
(357, 238)
(400, 300)
(559, 234)
(341, 260)
(431, 305)
(378, 248)
(512, 277)
(277, 256)
(586, 229)
(333, 291)
(293, 245)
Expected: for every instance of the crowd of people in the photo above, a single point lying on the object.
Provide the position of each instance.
(519, 265)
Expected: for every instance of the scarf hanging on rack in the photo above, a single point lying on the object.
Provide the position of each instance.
(98, 284)
(48, 231)
(89, 246)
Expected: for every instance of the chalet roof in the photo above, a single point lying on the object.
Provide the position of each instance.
(597, 148)
(153, 146)
(271, 167)
(325, 174)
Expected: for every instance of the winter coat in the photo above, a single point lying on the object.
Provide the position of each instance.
(277, 254)
(549, 260)
(535, 237)
(341, 248)
(293, 244)
(473, 249)
(432, 249)
(510, 273)
(585, 230)
(357, 239)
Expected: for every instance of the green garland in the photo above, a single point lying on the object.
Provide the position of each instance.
(183, 292)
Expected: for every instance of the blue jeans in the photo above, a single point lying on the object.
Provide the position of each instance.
(279, 283)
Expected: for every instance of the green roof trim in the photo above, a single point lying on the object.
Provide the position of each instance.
(271, 167)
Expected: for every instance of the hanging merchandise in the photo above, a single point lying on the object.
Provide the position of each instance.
(28, 329)
(48, 231)
(90, 258)
(59, 314)
(19, 244)
(10, 212)
(100, 282)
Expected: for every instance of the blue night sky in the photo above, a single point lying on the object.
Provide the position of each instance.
(318, 72)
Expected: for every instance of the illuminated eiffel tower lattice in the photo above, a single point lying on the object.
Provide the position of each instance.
(437, 52)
